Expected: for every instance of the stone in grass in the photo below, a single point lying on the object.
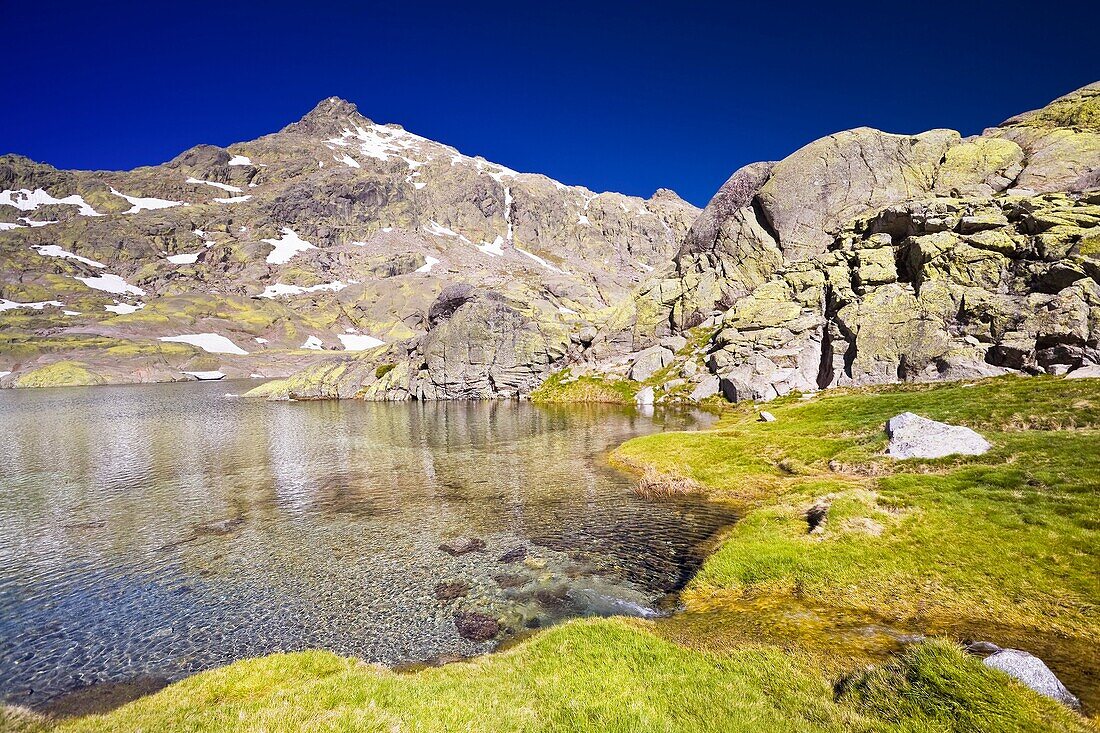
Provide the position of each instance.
(766, 416)
(913, 436)
(476, 626)
(1031, 671)
(462, 545)
(1089, 371)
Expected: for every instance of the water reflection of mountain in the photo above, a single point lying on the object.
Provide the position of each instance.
(164, 529)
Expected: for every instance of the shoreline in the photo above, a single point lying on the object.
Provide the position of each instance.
(711, 617)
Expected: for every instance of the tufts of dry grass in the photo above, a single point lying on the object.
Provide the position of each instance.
(656, 485)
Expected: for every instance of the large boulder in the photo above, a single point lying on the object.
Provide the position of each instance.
(708, 386)
(1033, 672)
(1061, 142)
(485, 348)
(904, 257)
(913, 436)
(815, 191)
(649, 361)
(1089, 371)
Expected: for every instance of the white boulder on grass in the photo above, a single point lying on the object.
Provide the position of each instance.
(1033, 672)
(707, 387)
(1088, 371)
(913, 436)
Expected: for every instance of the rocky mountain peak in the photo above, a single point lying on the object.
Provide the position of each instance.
(329, 114)
(665, 194)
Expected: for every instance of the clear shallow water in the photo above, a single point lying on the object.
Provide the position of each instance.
(155, 531)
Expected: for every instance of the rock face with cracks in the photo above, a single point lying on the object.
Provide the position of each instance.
(869, 258)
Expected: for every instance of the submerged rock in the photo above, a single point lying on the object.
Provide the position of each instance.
(451, 590)
(462, 545)
(510, 580)
(1033, 672)
(913, 436)
(516, 555)
(476, 626)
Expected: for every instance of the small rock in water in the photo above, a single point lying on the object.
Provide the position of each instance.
(515, 555)
(510, 580)
(476, 626)
(766, 416)
(644, 397)
(913, 436)
(982, 648)
(1031, 670)
(534, 563)
(452, 590)
(462, 545)
(553, 598)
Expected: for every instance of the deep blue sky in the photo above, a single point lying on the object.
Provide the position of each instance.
(614, 96)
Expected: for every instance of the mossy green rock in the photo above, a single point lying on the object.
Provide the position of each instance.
(60, 374)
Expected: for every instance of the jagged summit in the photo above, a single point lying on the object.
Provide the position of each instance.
(329, 113)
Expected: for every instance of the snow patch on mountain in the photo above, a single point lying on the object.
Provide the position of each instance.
(494, 248)
(286, 247)
(347, 160)
(215, 184)
(539, 260)
(434, 227)
(211, 342)
(359, 342)
(6, 305)
(111, 284)
(187, 258)
(26, 200)
(429, 263)
(54, 250)
(123, 308)
(139, 203)
(274, 291)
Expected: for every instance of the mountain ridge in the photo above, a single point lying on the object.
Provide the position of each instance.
(358, 207)
(362, 231)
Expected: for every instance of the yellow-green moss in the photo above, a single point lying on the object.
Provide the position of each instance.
(1009, 536)
(60, 374)
(563, 387)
